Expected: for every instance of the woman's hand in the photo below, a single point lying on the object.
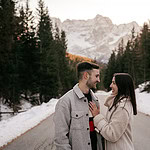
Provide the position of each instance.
(93, 108)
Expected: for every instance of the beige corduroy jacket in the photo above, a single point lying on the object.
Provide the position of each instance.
(115, 127)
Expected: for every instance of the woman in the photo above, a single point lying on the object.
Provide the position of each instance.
(116, 126)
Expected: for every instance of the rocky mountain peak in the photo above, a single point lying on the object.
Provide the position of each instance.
(102, 20)
(95, 38)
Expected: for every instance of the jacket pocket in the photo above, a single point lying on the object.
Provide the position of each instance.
(77, 120)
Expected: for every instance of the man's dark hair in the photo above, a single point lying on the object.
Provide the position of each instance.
(85, 66)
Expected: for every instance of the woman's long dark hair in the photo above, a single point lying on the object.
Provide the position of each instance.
(125, 86)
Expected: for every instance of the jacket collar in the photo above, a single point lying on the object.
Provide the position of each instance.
(93, 96)
(80, 93)
(109, 100)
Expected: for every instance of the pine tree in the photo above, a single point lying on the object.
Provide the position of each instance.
(110, 70)
(60, 55)
(133, 56)
(63, 64)
(144, 48)
(7, 68)
(137, 61)
(48, 79)
(119, 57)
(126, 57)
(29, 55)
(148, 55)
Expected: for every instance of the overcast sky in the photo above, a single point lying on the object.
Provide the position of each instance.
(119, 11)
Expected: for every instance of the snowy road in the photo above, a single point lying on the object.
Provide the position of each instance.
(141, 132)
(38, 138)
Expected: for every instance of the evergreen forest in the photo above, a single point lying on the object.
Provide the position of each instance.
(34, 63)
(132, 58)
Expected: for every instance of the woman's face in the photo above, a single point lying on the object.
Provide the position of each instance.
(114, 87)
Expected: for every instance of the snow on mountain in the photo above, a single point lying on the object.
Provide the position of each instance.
(95, 38)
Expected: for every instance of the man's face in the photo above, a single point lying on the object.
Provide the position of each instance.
(93, 78)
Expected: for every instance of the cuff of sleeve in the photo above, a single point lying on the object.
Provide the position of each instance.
(99, 122)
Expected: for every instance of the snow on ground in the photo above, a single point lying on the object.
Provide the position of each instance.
(143, 102)
(17, 125)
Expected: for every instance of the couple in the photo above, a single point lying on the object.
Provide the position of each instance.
(79, 124)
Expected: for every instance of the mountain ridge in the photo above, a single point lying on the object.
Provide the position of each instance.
(95, 38)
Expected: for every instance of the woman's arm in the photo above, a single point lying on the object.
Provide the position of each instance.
(112, 130)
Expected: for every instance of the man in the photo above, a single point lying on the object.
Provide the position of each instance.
(74, 128)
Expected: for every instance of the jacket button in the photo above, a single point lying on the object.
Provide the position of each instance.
(85, 100)
(76, 115)
(87, 128)
(87, 114)
(89, 143)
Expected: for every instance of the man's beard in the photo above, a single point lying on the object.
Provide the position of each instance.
(91, 85)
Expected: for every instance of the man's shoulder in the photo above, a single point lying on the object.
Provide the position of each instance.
(66, 98)
(67, 95)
